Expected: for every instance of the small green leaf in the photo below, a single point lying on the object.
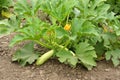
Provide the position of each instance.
(108, 38)
(108, 55)
(4, 27)
(116, 62)
(22, 7)
(102, 9)
(118, 32)
(113, 55)
(25, 55)
(4, 22)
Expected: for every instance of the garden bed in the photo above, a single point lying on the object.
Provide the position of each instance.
(52, 69)
(59, 40)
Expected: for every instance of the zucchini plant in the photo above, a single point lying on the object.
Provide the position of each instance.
(77, 32)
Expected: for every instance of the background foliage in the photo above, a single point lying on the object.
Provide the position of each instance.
(76, 31)
(115, 6)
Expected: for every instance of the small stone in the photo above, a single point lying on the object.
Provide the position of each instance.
(119, 67)
(86, 78)
(107, 70)
(107, 78)
(92, 78)
(79, 76)
(32, 75)
(41, 72)
(68, 75)
(27, 71)
(32, 67)
(95, 69)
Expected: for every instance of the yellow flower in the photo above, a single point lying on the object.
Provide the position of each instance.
(6, 14)
(105, 28)
(67, 27)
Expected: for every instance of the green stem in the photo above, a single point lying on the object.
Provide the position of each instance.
(67, 19)
(66, 44)
(43, 44)
(63, 47)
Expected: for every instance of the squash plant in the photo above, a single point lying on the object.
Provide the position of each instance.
(77, 32)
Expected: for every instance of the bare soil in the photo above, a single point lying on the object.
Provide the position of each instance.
(52, 69)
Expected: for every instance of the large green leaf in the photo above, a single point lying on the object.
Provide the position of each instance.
(17, 39)
(113, 55)
(8, 26)
(108, 38)
(76, 25)
(25, 8)
(60, 32)
(100, 49)
(115, 6)
(32, 31)
(97, 3)
(86, 54)
(5, 4)
(83, 6)
(59, 9)
(89, 28)
(83, 26)
(95, 10)
(3, 27)
(67, 57)
(25, 55)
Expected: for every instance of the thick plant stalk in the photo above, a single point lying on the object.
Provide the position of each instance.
(44, 57)
(60, 46)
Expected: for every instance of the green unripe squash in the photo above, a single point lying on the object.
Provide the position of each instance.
(44, 57)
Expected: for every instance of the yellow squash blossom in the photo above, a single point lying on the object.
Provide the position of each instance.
(105, 28)
(67, 27)
(6, 14)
